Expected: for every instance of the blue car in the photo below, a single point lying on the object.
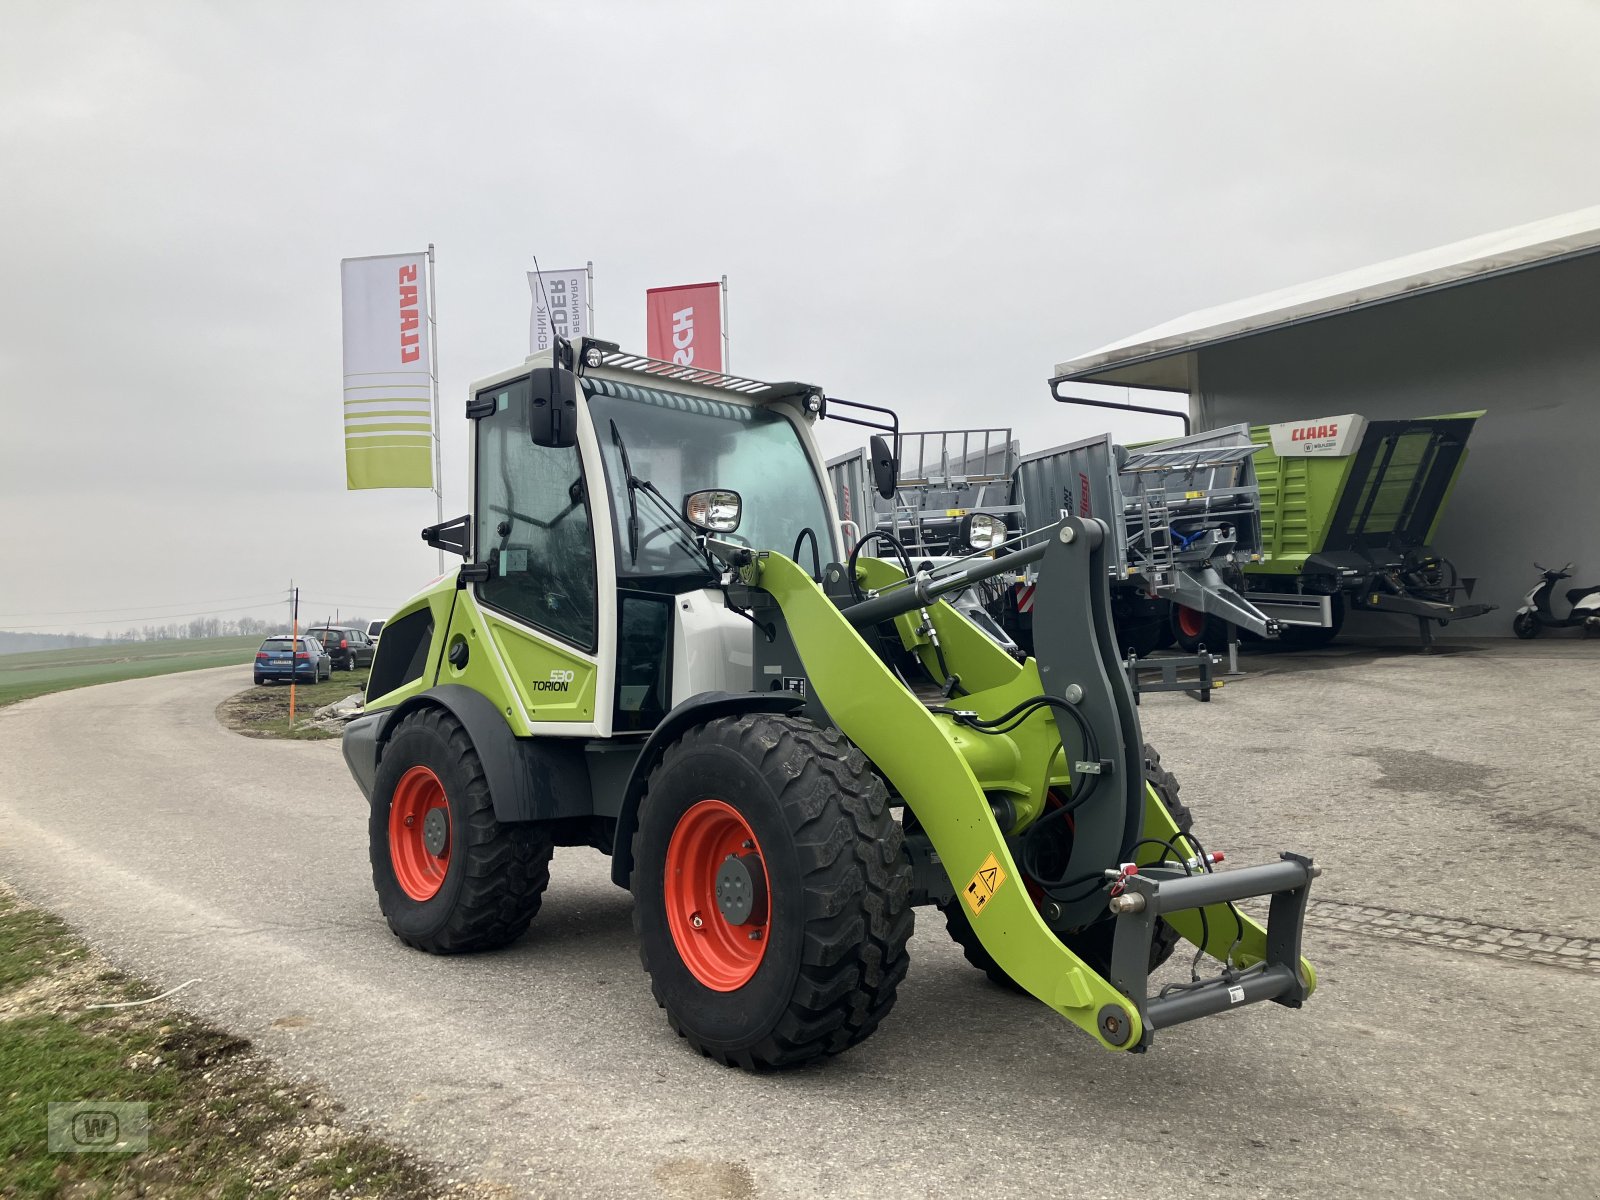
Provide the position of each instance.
(283, 657)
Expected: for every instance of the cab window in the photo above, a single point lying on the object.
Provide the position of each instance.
(532, 523)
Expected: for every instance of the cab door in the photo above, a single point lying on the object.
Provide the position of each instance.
(536, 623)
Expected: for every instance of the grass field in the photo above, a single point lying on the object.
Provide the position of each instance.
(34, 674)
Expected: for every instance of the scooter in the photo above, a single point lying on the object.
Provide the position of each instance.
(1536, 613)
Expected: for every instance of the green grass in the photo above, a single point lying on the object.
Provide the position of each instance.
(222, 1124)
(43, 671)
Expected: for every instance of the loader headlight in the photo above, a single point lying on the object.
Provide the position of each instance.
(715, 511)
(981, 531)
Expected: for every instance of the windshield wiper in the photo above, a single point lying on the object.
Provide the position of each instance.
(636, 485)
(633, 503)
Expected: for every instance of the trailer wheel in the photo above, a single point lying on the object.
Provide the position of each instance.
(1311, 637)
(771, 896)
(1093, 943)
(1143, 638)
(450, 877)
(1192, 629)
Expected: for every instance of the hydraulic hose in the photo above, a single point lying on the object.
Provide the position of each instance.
(923, 589)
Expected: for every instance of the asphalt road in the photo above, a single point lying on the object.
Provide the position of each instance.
(1453, 1064)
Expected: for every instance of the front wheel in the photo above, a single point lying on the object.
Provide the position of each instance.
(450, 877)
(1525, 625)
(771, 896)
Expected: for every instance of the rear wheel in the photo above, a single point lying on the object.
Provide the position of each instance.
(1525, 626)
(1093, 942)
(450, 877)
(771, 897)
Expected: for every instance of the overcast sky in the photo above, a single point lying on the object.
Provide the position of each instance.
(917, 204)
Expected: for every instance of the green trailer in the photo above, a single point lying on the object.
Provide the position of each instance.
(1349, 511)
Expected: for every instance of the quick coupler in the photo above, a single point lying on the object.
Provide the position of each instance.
(1257, 964)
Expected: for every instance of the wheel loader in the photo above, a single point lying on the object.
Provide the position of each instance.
(660, 646)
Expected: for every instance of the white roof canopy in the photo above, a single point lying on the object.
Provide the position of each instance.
(1163, 357)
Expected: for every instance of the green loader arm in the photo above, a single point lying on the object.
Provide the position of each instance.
(947, 775)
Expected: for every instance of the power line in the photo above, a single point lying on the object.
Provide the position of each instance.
(79, 612)
(204, 612)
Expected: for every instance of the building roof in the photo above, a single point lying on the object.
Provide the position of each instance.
(1163, 357)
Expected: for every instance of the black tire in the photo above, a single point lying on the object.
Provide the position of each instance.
(260, 681)
(1093, 943)
(497, 872)
(838, 916)
(1212, 633)
(1525, 626)
(1309, 638)
(1144, 638)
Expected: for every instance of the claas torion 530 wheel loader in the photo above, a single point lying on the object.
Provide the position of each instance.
(658, 645)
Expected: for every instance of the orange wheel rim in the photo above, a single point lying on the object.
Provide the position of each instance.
(1190, 622)
(419, 833)
(717, 895)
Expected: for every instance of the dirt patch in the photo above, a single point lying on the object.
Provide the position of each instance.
(262, 711)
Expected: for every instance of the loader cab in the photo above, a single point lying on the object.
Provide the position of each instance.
(580, 555)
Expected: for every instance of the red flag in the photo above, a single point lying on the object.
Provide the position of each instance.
(684, 325)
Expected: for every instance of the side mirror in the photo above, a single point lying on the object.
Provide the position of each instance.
(885, 470)
(982, 531)
(715, 511)
(553, 408)
(454, 536)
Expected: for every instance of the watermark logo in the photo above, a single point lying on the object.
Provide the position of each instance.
(99, 1126)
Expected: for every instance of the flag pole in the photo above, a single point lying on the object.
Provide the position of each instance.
(589, 299)
(433, 379)
(727, 360)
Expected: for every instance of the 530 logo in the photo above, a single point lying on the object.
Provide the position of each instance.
(559, 681)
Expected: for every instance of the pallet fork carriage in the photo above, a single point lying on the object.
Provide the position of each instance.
(721, 697)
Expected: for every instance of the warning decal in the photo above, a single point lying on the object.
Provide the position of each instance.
(984, 885)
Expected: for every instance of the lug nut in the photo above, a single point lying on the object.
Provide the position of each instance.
(697, 921)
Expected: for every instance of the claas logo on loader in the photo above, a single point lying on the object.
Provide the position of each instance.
(559, 681)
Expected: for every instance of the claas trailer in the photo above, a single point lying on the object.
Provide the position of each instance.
(1349, 511)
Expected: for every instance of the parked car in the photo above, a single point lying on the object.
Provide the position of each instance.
(349, 646)
(283, 657)
(374, 628)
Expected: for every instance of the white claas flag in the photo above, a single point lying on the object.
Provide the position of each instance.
(560, 307)
(388, 380)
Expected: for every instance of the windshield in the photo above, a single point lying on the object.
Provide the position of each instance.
(686, 444)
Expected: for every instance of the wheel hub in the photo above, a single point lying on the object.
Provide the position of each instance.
(742, 889)
(436, 831)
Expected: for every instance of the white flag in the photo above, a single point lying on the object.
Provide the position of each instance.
(560, 307)
(388, 380)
